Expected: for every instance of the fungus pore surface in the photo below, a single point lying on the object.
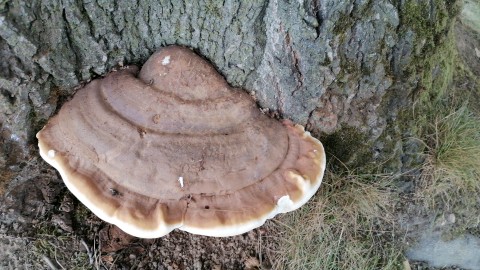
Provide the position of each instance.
(174, 146)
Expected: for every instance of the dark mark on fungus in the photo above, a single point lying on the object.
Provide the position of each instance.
(141, 132)
(156, 118)
(114, 192)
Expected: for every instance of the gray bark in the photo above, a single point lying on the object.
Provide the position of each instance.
(341, 67)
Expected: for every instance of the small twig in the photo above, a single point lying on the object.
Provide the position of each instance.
(340, 238)
(97, 252)
(260, 248)
(59, 264)
(49, 262)
(113, 263)
(90, 255)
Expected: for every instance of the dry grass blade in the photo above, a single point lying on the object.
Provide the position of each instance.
(335, 230)
(57, 250)
(452, 166)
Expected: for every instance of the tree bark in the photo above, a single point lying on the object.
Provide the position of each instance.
(346, 69)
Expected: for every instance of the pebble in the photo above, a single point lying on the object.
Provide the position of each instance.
(451, 218)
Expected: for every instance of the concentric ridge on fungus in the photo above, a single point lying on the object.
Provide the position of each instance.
(174, 146)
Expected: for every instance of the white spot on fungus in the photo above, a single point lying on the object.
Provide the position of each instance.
(166, 60)
(298, 180)
(180, 180)
(51, 153)
(285, 204)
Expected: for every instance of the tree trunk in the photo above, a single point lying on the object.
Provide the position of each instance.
(347, 66)
(347, 69)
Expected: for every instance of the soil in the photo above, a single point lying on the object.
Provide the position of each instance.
(43, 227)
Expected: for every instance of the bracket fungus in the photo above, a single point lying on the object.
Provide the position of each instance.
(174, 146)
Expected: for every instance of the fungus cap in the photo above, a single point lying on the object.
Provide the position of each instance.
(174, 146)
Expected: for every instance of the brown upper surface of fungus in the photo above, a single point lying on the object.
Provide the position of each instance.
(174, 146)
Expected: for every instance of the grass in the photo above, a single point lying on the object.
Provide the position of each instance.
(339, 228)
(450, 130)
(453, 160)
(58, 250)
(350, 223)
(343, 227)
(449, 126)
(451, 173)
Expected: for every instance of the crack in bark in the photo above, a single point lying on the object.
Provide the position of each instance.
(68, 34)
(295, 64)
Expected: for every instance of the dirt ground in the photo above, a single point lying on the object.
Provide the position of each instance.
(43, 227)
